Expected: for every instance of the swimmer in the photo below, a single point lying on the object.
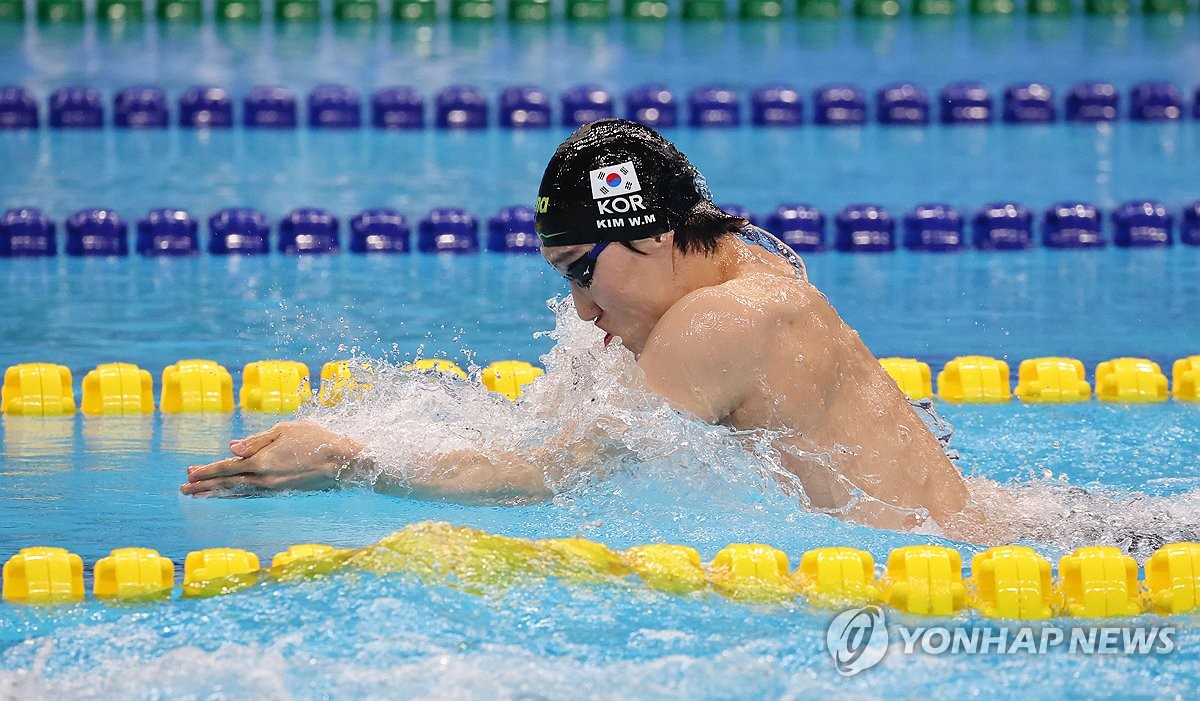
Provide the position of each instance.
(724, 325)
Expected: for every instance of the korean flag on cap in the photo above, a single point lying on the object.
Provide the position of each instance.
(610, 181)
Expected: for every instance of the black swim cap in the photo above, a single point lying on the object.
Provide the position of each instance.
(617, 180)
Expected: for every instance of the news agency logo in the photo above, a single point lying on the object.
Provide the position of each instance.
(857, 639)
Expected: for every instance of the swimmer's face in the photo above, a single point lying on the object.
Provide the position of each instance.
(629, 292)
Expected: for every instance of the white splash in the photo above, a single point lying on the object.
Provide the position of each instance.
(588, 390)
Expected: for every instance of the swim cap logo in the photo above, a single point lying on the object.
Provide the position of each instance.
(857, 639)
(620, 179)
(543, 205)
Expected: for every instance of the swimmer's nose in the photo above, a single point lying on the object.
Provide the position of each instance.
(585, 307)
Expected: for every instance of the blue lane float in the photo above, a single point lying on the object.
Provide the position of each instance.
(269, 107)
(461, 107)
(140, 108)
(839, 105)
(902, 104)
(1093, 102)
(653, 105)
(239, 230)
(167, 232)
(933, 227)
(334, 107)
(205, 107)
(18, 109)
(1145, 224)
(865, 228)
(27, 233)
(76, 108)
(1072, 225)
(524, 107)
(467, 107)
(776, 106)
(397, 107)
(309, 230)
(1190, 229)
(998, 226)
(511, 230)
(1155, 102)
(586, 103)
(713, 106)
(448, 230)
(965, 103)
(380, 231)
(1002, 226)
(97, 232)
(798, 225)
(1029, 103)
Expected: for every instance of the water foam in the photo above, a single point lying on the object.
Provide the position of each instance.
(590, 395)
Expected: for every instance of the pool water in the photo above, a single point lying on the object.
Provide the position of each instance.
(92, 484)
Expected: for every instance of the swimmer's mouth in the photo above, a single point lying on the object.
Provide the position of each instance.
(608, 337)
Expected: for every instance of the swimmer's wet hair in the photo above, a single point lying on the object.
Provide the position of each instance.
(672, 189)
(703, 228)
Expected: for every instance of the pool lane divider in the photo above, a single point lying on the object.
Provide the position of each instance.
(529, 107)
(1005, 582)
(858, 228)
(291, 13)
(206, 387)
(977, 379)
(282, 386)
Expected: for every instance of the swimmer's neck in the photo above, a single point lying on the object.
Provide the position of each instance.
(694, 271)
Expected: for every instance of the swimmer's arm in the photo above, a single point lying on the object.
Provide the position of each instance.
(461, 476)
(305, 455)
(497, 474)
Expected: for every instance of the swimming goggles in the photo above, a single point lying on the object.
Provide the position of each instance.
(581, 271)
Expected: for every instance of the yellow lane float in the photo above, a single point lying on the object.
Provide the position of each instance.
(274, 386)
(133, 573)
(342, 380)
(911, 375)
(1057, 380)
(118, 389)
(43, 575)
(37, 389)
(1130, 380)
(507, 377)
(196, 387)
(1010, 582)
(1185, 374)
(975, 379)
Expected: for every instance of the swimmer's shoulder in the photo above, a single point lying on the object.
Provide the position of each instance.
(700, 350)
(769, 295)
(733, 315)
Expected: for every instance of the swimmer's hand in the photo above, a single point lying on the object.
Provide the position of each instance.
(289, 455)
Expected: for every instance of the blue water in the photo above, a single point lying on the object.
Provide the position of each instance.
(1091, 305)
(133, 172)
(96, 484)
